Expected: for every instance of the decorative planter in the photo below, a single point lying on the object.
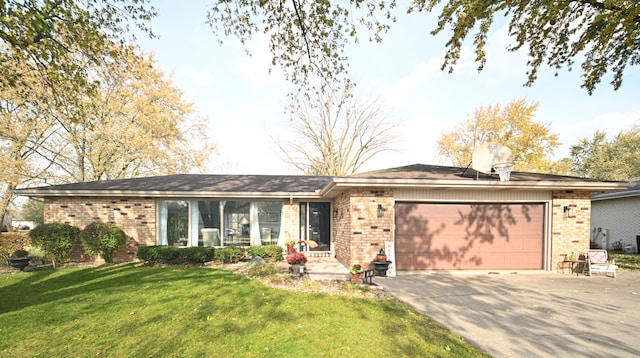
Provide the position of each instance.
(381, 267)
(297, 270)
(355, 278)
(18, 262)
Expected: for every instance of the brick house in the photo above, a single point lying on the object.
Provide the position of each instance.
(427, 217)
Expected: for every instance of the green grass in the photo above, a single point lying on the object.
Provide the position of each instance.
(626, 262)
(130, 311)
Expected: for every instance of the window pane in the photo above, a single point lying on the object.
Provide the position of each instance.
(269, 216)
(237, 223)
(177, 228)
(208, 222)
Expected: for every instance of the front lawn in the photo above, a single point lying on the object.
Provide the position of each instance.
(626, 262)
(132, 311)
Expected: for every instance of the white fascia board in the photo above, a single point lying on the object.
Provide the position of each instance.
(342, 183)
(169, 194)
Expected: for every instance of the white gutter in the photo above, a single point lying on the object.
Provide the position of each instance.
(166, 194)
(339, 183)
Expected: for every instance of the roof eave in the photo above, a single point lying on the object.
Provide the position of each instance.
(616, 195)
(343, 183)
(168, 194)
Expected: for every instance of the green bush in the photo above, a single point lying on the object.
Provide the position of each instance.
(175, 255)
(149, 254)
(11, 241)
(104, 239)
(270, 253)
(55, 239)
(229, 255)
(198, 255)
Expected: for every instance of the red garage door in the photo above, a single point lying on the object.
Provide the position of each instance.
(469, 236)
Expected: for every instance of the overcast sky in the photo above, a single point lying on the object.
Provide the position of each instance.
(245, 104)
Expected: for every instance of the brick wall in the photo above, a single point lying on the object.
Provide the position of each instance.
(135, 216)
(340, 229)
(569, 234)
(359, 233)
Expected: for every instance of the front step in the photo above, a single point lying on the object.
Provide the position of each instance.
(319, 253)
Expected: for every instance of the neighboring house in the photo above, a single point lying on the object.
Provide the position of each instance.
(431, 217)
(615, 218)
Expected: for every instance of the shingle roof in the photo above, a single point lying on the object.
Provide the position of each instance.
(421, 171)
(417, 175)
(201, 182)
(632, 191)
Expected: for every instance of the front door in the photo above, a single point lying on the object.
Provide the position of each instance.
(315, 224)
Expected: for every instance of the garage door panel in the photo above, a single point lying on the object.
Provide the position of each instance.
(469, 236)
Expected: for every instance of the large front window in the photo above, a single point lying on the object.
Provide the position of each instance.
(219, 223)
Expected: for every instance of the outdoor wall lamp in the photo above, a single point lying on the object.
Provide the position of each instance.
(568, 212)
(335, 213)
(380, 210)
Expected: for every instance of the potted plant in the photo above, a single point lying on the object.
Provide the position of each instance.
(290, 246)
(296, 261)
(19, 259)
(355, 272)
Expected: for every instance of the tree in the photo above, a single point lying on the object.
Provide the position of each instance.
(33, 210)
(598, 158)
(25, 124)
(335, 136)
(53, 38)
(138, 124)
(307, 39)
(310, 37)
(532, 143)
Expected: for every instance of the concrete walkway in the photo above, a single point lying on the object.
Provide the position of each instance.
(531, 314)
(327, 268)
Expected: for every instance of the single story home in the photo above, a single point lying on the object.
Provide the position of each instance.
(429, 217)
(615, 218)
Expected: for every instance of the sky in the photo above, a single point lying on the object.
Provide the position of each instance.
(245, 102)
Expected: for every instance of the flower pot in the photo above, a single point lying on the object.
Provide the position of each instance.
(381, 267)
(18, 262)
(297, 270)
(355, 278)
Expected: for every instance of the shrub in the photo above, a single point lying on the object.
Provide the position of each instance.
(104, 239)
(11, 241)
(197, 255)
(175, 255)
(617, 246)
(228, 255)
(270, 253)
(55, 239)
(150, 254)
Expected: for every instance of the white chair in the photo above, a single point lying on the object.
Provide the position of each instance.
(598, 261)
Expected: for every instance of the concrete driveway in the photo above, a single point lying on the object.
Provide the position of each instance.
(531, 314)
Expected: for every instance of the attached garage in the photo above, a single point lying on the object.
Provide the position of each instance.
(469, 236)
